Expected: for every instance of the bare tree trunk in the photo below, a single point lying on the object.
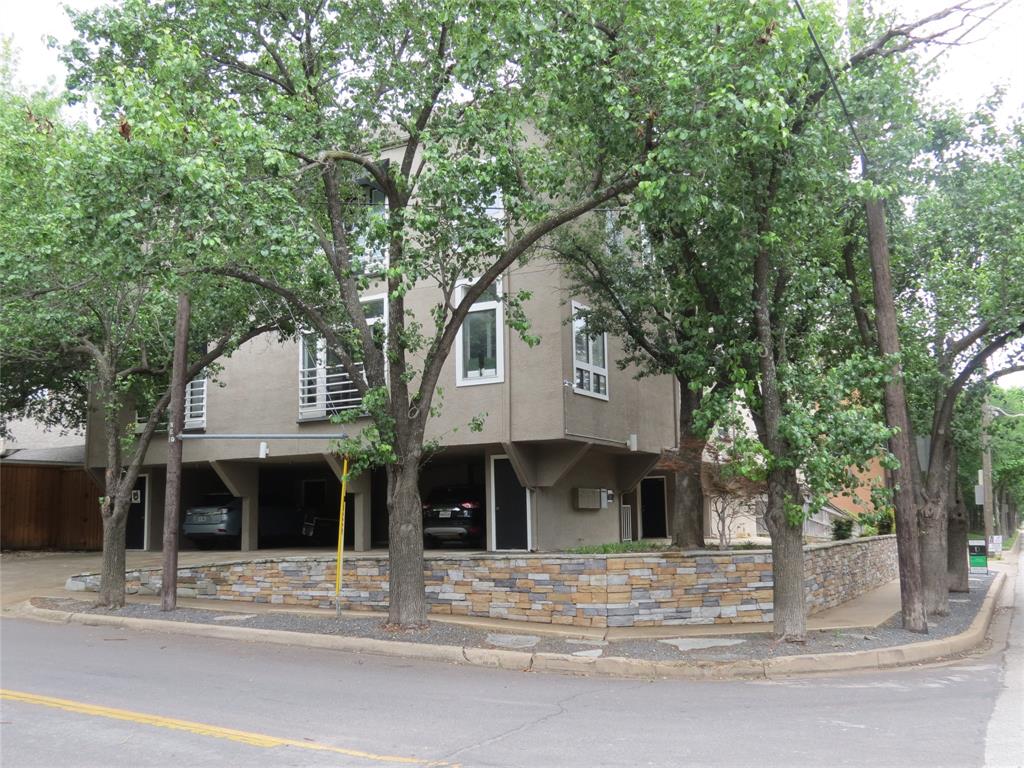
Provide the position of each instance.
(407, 602)
(935, 554)
(790, 615)
(688, 506)
(688, 511)
(172, 495)
(956, 551)
(908, 544)
(789, 601)
(113, 567)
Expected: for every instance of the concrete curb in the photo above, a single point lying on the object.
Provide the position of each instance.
(526, 661)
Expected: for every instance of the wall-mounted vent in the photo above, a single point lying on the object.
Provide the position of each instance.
(590, 498)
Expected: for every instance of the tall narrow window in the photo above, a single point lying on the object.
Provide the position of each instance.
(480, 342)
(590, 358)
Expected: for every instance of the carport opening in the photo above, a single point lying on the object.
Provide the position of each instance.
(299, 507)
(454, 496)
(201, 487)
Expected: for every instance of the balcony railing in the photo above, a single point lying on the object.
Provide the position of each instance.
(324, 390)
(195, 409)
(195, 404)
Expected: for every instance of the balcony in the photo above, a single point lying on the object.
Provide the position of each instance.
(326, 390)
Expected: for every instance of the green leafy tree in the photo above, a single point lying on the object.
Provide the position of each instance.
(747, 269)
(957, 276)
(99, 228)
(1008, 455)
(448, 111)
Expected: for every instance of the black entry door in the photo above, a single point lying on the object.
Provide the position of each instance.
(135, 532)
(652, 507)
(509, 502)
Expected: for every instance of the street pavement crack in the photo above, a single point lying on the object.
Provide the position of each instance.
(561, 709)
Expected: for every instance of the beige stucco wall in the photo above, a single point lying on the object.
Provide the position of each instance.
(559, 525)
(256, 391)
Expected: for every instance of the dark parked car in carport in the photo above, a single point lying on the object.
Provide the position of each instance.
(216, 523)
(454, 514)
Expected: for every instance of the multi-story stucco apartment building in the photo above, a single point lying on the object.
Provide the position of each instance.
(566, 439)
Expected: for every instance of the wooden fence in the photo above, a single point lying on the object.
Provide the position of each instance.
(48, 507)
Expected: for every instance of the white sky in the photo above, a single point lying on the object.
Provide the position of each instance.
(991, 55)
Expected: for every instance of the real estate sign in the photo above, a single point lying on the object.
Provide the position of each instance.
(977, 556)
(995, 545)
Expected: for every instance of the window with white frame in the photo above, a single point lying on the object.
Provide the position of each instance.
(325, 385)
(373, 254)
(480, 357)
(590, 357)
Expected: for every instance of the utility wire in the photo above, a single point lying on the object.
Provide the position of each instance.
(835, 86)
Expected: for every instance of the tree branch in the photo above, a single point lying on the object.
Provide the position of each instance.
(428, 108)
(1005, 372)
(311, 313)
(246, 69)
(961, 345)
(867, 334)
(376, 170)
(944, 413)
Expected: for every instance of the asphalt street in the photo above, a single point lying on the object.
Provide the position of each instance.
(95, 696)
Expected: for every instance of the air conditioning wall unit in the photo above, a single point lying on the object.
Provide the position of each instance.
(590, 498)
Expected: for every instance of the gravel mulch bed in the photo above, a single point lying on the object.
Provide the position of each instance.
(963, 609)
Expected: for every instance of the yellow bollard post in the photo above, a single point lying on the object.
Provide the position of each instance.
(341, 536)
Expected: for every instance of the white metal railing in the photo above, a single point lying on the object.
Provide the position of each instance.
(625, 522)
(195, 409)
(327, 389)
(195, 404)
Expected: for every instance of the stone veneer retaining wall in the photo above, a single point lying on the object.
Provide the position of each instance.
(628, 590)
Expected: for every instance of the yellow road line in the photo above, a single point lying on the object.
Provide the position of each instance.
(204, 729)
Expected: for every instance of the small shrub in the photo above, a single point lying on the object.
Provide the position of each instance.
(842, 528)
(617, 548)
(868, 530)
(750, 545)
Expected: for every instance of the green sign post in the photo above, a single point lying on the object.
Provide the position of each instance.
(977, 556)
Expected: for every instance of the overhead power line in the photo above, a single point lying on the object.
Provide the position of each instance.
(835, 85)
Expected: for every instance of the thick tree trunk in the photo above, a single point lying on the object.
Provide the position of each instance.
(956, 548)
(956, 529)
(407, 602)
(688, 506)
(790, 611)
(935, 555)
(113, 567)
(908, 544)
